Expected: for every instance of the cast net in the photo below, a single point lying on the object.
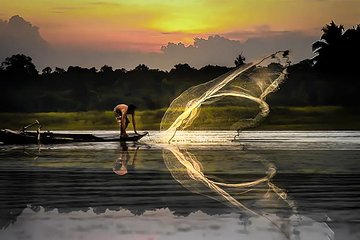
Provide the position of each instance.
(233, 101)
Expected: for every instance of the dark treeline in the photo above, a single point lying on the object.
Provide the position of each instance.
(82, 89)
(330, 78)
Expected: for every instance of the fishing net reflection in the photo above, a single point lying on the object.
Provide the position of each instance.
(254, 197)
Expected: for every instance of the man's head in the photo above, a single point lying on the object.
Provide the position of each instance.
(131, 108)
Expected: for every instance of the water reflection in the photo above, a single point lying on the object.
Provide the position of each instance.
(77, 187)
(126, 162)
(252, 198)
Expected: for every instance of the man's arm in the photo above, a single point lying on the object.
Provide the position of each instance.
(117, 116)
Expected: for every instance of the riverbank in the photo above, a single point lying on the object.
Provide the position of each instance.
(280, 118)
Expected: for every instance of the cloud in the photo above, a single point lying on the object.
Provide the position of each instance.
(214, 50)
(20, 36)
(298, 43)
(219, 50)
(104, 3)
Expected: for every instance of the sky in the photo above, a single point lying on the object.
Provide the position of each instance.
(160, 34)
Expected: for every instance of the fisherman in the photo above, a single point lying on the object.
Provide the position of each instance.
(121, 111)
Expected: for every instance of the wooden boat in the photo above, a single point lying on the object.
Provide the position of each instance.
(8, 136)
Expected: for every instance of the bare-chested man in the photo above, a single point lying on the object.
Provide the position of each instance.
(121, 111)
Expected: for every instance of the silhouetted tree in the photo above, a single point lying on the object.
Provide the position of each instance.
(106, 69)
(182, 69)
(327, 48)
(20, 64)
(59, 70)
(351, 38)
(336, 49)
(142, 67)
(240, 60)
(46, 70)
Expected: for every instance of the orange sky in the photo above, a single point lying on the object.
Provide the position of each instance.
(147, 25)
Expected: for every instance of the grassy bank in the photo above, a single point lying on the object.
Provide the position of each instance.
(280, 118)
(312, 118)
(92, 120)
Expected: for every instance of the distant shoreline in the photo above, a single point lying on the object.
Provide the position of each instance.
(280, 118)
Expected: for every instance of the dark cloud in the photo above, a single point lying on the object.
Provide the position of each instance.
(20, 36)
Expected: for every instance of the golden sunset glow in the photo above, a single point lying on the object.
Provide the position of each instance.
(147, 25)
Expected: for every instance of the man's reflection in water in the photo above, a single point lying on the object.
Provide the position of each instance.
(122, 165)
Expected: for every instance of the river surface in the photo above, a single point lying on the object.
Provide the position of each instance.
(299, 185)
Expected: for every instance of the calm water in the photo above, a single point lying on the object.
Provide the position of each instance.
(151, 190)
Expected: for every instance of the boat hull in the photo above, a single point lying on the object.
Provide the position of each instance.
(8, 136)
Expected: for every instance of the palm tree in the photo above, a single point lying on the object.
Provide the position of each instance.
(351, 38)
(337, 48)
(332, 33)
(240, 60)
(328, 48)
